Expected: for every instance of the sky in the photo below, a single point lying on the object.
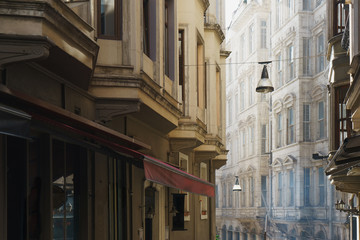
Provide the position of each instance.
(230, 6)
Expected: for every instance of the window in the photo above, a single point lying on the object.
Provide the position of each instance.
(251, 191)
(263, 34)
(263, 191)
(251, 90)
(318, 2)
(216, 196)
(169, 39)
(242, 96)
(166, 39)
(219, 101)
(110, 19)
(230, 111)
(340, 14)
(321, 181)
(306, 122)
(230, 235)
(242, 47)
(291, 7)
(290, 126)
(342, 116)
(224, 190)
(252, 140)
(306, 5)
(201, 75)
(230, 70)
(237, 200)
(264, 144)
(320, 59)
(204, 199)
(278, 13)
(181, 50)
(65, 202)
(251, 38)
(236, 110)
(291, 188)
(279, 70)
(223, 232)
(291, 62)
(149, 31)
(279, 130)
(306, 55)
(243, 143)
(280, 188)
(321, 121)
(243, 195)
(230, 195)
(306, 186)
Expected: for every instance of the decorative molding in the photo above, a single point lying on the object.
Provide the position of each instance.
(14, 48)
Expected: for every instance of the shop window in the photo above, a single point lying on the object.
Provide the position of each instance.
(110, 19)
(66, 183)
(178, 217)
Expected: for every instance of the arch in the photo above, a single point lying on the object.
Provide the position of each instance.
(289, 100)
(277, 106)
(250, 119)
(318, 92)
(277, 163)
(250, 168)
(289, 159)
(320, 235)
(241, 124)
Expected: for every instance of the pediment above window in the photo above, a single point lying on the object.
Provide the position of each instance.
(289, 100)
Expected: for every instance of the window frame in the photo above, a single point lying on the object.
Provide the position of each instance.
(117, 24)
(290, 126)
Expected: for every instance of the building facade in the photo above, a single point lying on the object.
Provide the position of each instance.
(343, 80)
(111, 118)
(281, 160)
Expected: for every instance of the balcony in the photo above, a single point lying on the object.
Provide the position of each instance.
(49, 32)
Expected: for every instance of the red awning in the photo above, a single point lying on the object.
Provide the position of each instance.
(155, 170)
(165, 174)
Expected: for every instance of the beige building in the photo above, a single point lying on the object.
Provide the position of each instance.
(278, 141)
(343, 80)
(112, 118)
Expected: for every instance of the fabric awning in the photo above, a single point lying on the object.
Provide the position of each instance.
(155, 170)
(165, 174)
(160, 172)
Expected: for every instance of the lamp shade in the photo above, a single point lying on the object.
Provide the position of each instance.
(237, 187)
(264, 84)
